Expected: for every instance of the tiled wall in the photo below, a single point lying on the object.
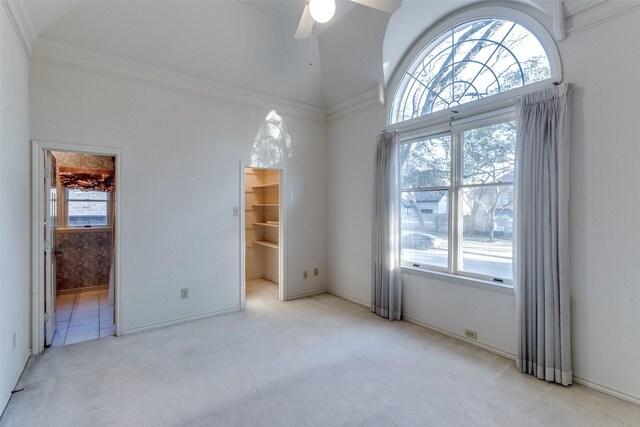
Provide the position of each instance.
(85, 260)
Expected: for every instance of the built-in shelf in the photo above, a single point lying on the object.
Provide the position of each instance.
(265, 185)
(262, 196)
(266, 224)
(266, 243)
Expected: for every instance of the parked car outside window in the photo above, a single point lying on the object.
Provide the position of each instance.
(421, 241)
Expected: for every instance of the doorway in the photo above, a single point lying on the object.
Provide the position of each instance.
(262, 233)
(76, 244)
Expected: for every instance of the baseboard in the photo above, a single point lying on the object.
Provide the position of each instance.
(7, 397)
(4, 400)
(307, 294)
(505, 354)
(178, 321)
(487, 347)
(348, 298)
(80, 290)
(606, 390)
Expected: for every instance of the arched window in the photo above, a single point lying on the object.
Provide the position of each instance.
(468, 62)
(457, 158)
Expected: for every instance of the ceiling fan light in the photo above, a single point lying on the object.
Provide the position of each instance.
(322, 10)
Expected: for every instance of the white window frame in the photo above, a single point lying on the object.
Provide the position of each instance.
(489, 110)
(493, 102)
(65, 217)
(454, 204)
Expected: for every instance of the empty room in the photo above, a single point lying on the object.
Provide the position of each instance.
(319, 212)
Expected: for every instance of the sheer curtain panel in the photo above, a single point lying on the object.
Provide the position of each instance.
(542, 287)
(386, 294)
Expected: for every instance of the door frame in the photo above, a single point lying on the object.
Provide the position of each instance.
(38, 149)
(283, 294)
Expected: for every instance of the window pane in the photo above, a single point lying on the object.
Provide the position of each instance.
(86, 207)
(468, 62)
(53, 205)
(425, 228)
(487, 231)
(426, 163)
(488, 154)
(74, 194)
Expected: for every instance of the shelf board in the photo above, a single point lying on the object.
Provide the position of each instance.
(266, 243)
(266, 224)
(266, 205)
(265, 185)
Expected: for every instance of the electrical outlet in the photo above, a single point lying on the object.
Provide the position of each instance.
(305, 274)
(13, 341)
(315, 271)
(471, 334)
(184, 293)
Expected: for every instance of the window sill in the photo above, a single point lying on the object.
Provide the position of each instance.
(82, 229)
(461, 280)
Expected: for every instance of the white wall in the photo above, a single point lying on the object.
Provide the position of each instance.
(604, 207)
(352, 151)
(603, 215)
(14, 208)
(201, 38)
(181, 179)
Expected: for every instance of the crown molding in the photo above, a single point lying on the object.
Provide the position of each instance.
(354, 105)
(57, 52)
(573, 7)
(582, 15)
(21, 19)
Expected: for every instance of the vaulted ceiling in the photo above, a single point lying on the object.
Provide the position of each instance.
(244, 43)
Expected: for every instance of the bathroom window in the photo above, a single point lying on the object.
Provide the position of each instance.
(87, 208)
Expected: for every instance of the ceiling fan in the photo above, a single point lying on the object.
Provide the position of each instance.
(322, 11)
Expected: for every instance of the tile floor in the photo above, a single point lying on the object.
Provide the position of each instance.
(82, 317)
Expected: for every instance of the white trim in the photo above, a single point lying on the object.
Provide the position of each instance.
(458, 279)
(354, 105)
(475, 343)
(37, 233)
(307, 294)
(599, 13)
(283, 290)
(72, 230)
(506, 354)
(180, 320)
(53, 51)
(349, 298)
(19, 15)
(574, 7)
(606, 390)
(242, 300)
(497, 101)
(559, 21)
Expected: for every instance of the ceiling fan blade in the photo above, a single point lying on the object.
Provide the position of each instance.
(306, 24)
(388, 6)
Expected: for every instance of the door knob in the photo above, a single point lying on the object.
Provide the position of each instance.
(57, 252)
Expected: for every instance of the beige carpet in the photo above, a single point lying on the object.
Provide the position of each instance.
(319, 361)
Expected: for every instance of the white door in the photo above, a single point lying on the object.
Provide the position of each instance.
(50, 219)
